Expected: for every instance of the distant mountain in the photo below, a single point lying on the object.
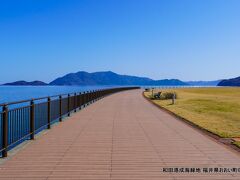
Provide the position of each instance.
(203, 83)
(110, 78)
(25, 83)
(230, 82)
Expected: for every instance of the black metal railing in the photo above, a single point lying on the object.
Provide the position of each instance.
(20, 121)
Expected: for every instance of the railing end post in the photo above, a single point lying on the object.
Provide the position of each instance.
(5, 131)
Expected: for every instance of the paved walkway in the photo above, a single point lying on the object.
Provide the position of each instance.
(120, 137)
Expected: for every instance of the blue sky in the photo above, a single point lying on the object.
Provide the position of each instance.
(184, 39)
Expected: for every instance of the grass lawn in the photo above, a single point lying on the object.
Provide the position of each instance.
(215, 109)
(237, 143)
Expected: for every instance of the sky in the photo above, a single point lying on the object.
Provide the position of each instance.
(182, 39)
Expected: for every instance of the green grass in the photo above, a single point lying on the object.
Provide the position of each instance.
(215, 109)
(237, 143)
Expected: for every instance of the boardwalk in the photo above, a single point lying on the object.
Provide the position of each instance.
(120, 137)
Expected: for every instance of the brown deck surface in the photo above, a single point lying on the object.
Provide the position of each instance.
(122, 136)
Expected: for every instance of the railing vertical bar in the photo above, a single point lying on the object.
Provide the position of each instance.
(49, 113)
(84, 99)
(80, 100)
(75, 102)
(32, 123)
(68, 108)
(60, 108)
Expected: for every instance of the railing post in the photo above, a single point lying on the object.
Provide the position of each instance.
(85, 101)
(79, 101)
(75, 102)
(98, 95)
(49, 113)
(32, 125)
(5, 131)
(60, 108)
(94, 96)
(88, 97)
(68, 104)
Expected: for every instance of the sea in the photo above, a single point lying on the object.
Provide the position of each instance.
(19, 93)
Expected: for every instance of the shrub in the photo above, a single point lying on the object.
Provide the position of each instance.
(168, 95)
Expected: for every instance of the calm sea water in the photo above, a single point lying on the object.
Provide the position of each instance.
(17, 93)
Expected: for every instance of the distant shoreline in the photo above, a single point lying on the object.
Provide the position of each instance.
(109, 78)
